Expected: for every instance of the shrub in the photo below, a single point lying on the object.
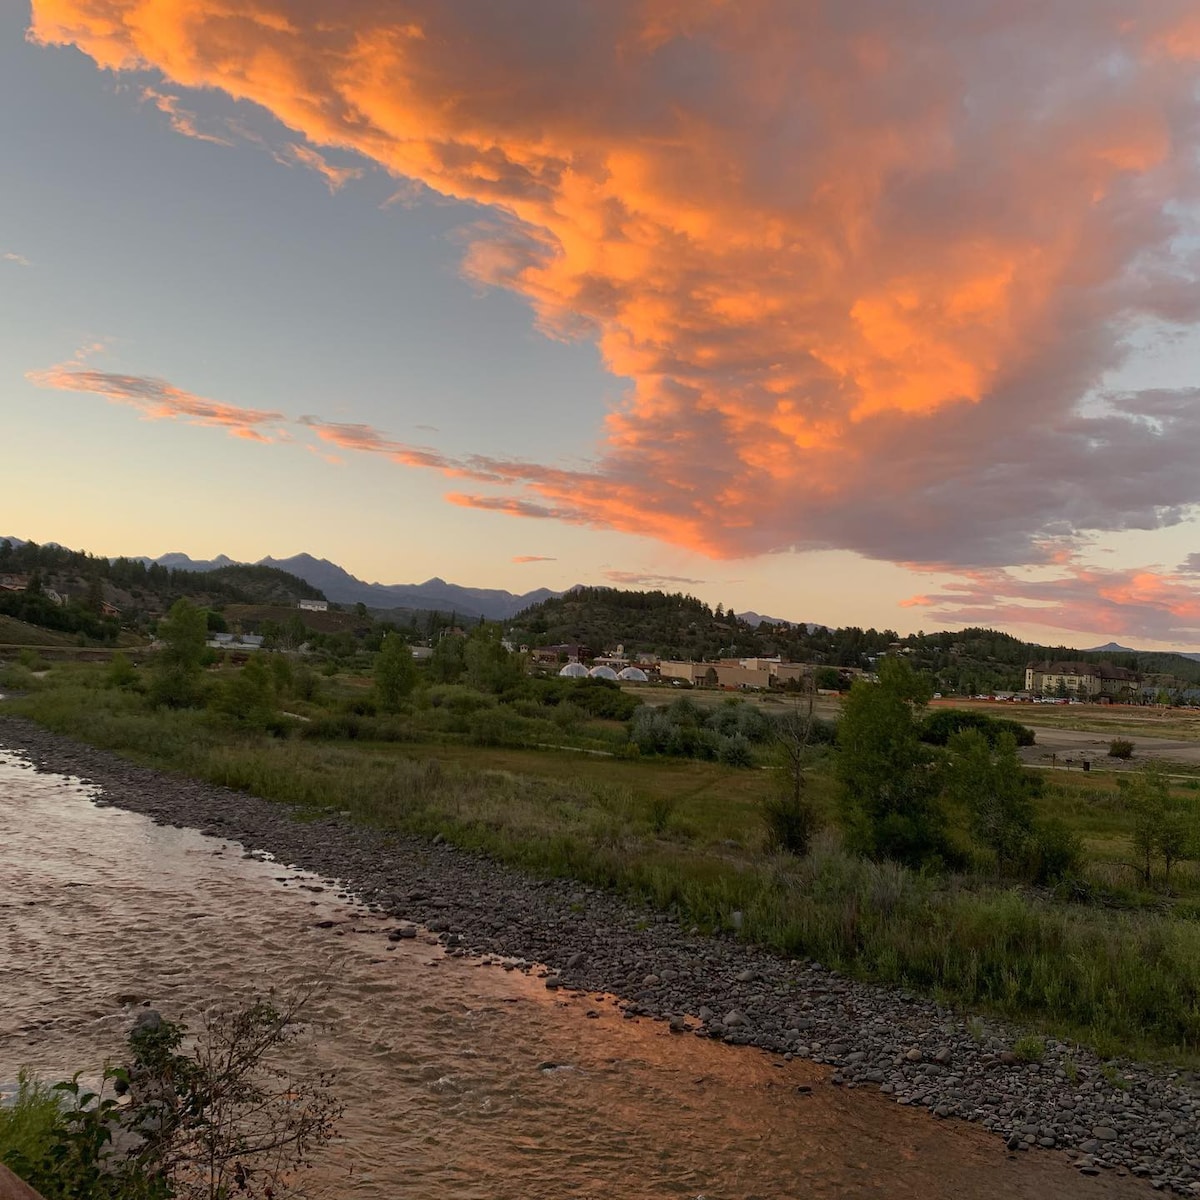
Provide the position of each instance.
(791, 822)
(1053, 853)
(1121, 748)
(939, 727)
(735, 752)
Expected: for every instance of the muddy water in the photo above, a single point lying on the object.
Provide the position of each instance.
(462, 1079)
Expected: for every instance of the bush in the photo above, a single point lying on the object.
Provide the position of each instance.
(939, 727)
(1054, 853)
(791, 822)
(735, 752)
(1121, 748)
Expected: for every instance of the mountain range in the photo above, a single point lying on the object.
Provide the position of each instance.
(340, 586)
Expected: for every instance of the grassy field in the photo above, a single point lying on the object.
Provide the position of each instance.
(1121, 973)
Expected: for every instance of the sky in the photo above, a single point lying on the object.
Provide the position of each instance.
(883, 313)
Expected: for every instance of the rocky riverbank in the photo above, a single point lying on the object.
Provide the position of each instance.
(1108, 1116)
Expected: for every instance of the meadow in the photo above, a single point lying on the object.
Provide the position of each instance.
(1102, 957)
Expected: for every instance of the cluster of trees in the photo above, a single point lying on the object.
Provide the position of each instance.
(727, 733)
(901, 795)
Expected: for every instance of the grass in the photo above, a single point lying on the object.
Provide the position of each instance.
(688, 838)
(29, 1124)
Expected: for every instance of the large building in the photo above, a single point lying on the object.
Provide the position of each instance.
(1082, 681)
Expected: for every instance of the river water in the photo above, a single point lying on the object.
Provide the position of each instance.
(462, 1080)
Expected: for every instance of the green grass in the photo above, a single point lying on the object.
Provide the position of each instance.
(28, 1125)
(687, 837)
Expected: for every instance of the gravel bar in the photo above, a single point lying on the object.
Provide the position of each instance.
(1109, 1116)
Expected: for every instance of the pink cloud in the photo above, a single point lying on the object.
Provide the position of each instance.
(157, 400)
(648, 579)
(1135, 602)
(533, 558)
(335, 177)
(181, 119)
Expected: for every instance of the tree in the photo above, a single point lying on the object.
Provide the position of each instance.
(888, 777)
(488, 664)
(93, 599)
(790, 814)
(395, 673)
(179, 664)
(1162, 826)
(446, 662)
(995, 789)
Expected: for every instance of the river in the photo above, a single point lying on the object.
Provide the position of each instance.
(462, 1080)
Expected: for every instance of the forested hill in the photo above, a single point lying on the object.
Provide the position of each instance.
(141, 589)
(674, 625)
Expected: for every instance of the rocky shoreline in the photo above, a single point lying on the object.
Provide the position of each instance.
(1129, 1119)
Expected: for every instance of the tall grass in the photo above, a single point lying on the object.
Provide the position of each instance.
(1123, 981)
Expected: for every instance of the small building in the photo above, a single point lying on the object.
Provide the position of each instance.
(313, 605)
(574, 670)
(603, 672)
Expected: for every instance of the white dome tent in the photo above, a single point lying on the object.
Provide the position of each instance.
(574, 671)
(633, 675)
(603, 673)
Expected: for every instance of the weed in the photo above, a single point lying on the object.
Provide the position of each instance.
(1030, 1048)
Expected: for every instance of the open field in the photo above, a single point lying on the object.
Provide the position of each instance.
(318, 622)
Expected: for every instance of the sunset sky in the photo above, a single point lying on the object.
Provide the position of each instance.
(883, 312)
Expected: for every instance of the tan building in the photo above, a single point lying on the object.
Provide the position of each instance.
(1082, 681)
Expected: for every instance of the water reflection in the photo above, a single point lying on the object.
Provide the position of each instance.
(463, 1079)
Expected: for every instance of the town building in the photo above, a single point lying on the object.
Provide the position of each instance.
(313, 605)
(1082, 681)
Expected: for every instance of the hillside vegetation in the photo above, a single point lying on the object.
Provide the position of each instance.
(675, 625)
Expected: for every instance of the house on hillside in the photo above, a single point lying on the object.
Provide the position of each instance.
(313, 605)
(1083, 681)
(14, 583)
(109, 610)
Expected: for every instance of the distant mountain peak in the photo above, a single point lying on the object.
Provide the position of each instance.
(1111, 648)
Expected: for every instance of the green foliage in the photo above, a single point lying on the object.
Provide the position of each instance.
(446, 664)
(995, 788)
(1121, 748)
(247, 695)
(487, 664)
(121, 672)
(1164, 827)
(395, 673)
(1053, 854)
(178, 665)
(889, 778)
(939, 727)
(1030, 1048)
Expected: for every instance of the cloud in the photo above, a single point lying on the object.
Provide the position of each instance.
(1190, 565)
(335, 177)
(156, 400)
(181, 119)
(13, 257)
(1136, 602)
(533, 558)
(864, 267)
(648, 579)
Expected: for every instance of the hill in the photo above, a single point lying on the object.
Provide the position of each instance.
(673, 625)
(103, 595)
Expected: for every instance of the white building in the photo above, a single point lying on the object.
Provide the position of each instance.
(313, 605)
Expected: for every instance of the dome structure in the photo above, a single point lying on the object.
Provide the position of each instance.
(603, 673)
(574, 671)
(633, 675)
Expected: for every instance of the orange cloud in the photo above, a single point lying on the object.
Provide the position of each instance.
(860, 266)
(158, 400)
(533, 558)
